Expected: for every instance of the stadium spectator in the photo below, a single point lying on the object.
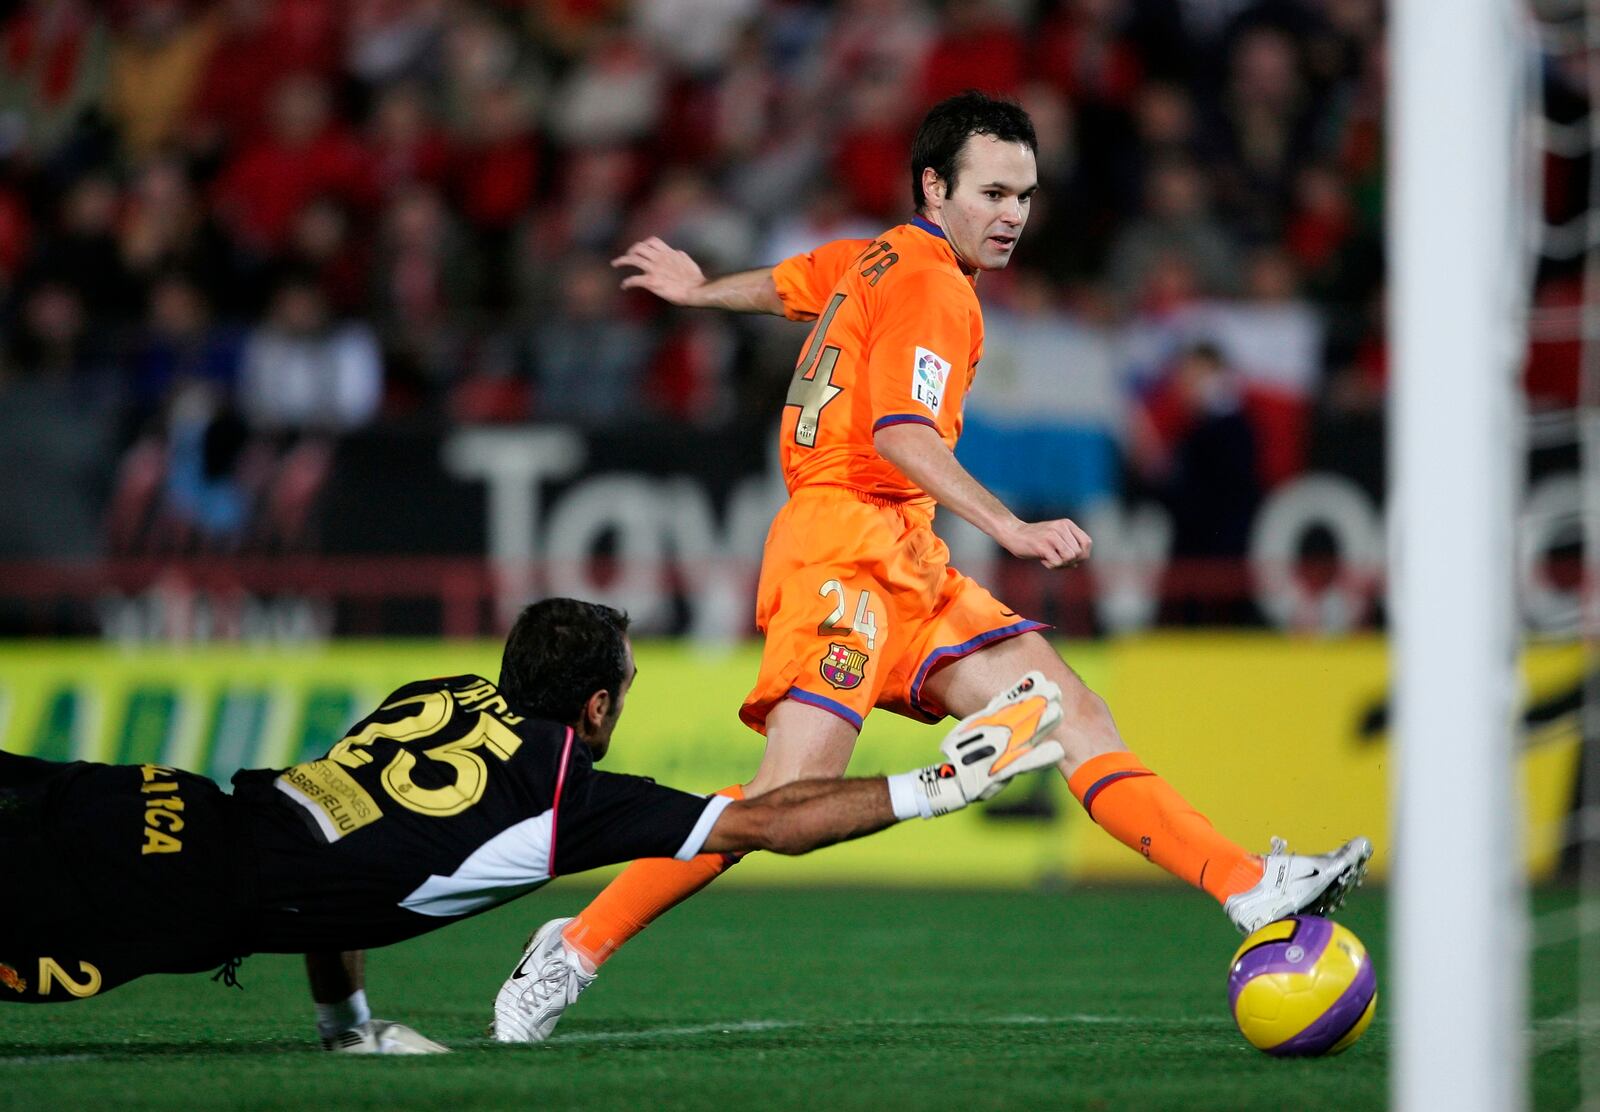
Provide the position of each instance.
(978, 45)
(499, 161)
(1321, 219)
(304, 371)
(16, 233)
(260, 43)
(614, 94)
(1165, 130)
(591, 202)
(323, 243)
(1264, 129)
(404, 144)
(1177, 223)
(695, 36)
(870, 146)
(424, 287)
(588, 362)
(885, 38)
(1347, 437)
(181, 344)
(206, 499)
(165, 226)
(1081, 48)
(499, 169)
(1193, 444)
(390, 40)
(54, 341)
(58, 424)
(82, 251)
(740, 108)
(477, 53)
(52, 73)
(157, 62)
(305, 153)
(1273, 340)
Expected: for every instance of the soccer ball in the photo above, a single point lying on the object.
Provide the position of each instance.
(1302, 986)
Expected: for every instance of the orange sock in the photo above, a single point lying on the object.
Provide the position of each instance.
(645, 890)
(1141, 810)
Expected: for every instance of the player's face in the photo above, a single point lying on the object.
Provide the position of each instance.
(984, 215)
(600, 740)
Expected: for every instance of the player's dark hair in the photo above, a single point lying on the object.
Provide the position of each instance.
(559, 652)
(948, 125)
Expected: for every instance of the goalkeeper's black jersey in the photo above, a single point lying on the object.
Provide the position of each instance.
(441, 804)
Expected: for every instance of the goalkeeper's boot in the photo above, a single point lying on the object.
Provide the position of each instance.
(1298, 884)
(547, 979)
(380, 1036)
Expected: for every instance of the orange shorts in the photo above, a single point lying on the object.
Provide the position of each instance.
(859, 605)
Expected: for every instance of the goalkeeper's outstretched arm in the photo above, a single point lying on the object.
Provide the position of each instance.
(803, 816)
(982, 754)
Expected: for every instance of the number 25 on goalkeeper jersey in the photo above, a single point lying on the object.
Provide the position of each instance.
(897, 340)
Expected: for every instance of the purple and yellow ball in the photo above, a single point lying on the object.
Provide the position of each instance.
(1301, 987)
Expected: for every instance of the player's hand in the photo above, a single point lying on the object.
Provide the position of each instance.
(665, 271)
(1055, 544)
(382, 1036)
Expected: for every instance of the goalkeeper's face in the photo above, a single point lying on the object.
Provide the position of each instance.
(984, 214)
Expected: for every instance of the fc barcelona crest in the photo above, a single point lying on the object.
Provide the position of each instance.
(843, 666)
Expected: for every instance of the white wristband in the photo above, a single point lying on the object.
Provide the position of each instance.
(927, 792)
(907, 797)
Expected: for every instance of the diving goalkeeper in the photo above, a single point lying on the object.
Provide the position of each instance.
(453, 797)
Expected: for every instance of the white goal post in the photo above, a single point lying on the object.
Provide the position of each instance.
(1455, 234)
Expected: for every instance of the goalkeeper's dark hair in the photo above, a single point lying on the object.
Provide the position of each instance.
(559, 652)
(950, 123)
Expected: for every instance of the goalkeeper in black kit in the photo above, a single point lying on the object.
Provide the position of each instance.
(453, 797)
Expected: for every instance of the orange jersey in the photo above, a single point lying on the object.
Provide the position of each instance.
(897, 339)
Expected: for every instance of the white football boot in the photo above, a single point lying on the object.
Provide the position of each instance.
(547, 979)
(381, 1036)
(1299, 884)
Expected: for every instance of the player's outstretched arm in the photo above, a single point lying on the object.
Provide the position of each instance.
(984, 752)
(674, 277)
(923, 457)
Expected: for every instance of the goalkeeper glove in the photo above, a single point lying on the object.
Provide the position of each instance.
(382, 1036)
(985, 751)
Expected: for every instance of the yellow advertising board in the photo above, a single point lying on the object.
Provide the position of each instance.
(1265, 735)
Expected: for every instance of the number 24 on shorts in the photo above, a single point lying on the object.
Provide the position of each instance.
(866, 622)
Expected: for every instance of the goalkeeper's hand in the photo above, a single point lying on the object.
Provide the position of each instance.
(382, 1036)
(988, 749)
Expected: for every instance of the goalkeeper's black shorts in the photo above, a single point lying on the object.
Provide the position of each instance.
(108, 873)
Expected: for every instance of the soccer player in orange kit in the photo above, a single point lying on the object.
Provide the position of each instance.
(857, 600)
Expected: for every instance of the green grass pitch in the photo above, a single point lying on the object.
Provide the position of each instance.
(818, 1000)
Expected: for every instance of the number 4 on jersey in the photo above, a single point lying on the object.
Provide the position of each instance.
(812, 387)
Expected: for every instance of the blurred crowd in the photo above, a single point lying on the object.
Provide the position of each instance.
(234, 231)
